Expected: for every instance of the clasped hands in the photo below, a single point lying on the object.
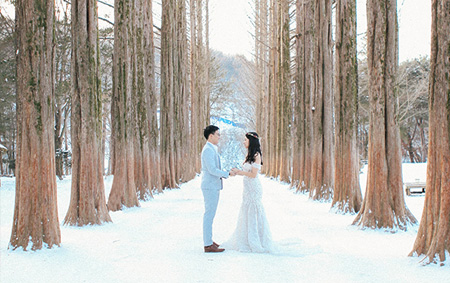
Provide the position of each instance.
(234, 172)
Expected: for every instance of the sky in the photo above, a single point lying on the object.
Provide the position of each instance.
(231, 26)
(414, 28)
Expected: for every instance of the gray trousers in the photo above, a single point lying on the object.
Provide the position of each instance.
(211, 198)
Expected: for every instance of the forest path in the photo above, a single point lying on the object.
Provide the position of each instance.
(161, 241)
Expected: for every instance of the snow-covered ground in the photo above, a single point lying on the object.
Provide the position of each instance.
(161, 241)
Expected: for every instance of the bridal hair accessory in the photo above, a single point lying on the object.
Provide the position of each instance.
(252, 135)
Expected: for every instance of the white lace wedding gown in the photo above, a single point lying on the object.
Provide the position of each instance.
(252, 233)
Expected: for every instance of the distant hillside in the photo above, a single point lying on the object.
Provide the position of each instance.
(232, 92)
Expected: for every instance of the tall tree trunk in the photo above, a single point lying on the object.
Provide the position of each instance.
(184, 169)
(104, 137)
(272, 98)
(347, 193)
(196, 139)
(258, 64)
(143, 90)
(123, 190)
(87, 201)
(199, 81)
(202, 67)
(298, 127)
(264, 80)
(151, 96)
(35, 210)
(166, 105)
(173, 91)
(262, 73)
(384, 204)
(277, 87)
(304, 79)
(284, 93)
(322, 155)
(207, 66)
(434, 231)
(112, 144)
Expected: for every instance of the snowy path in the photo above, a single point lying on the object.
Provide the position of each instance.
(161, 241)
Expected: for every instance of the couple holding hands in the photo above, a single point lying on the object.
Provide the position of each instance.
(252, 233)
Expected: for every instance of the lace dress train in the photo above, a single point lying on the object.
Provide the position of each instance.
(252, 233)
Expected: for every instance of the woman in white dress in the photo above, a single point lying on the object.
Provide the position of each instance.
(252, 233)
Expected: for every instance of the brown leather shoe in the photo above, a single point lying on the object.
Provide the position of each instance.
(216, 244)
(213, 249)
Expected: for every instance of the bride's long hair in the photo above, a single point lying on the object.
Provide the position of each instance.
(254, 147)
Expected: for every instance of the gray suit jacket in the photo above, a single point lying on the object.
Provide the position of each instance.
(211, 169)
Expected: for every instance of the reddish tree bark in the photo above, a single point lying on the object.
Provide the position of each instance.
(184, 160)
(197, 93)
(167, 144)
(284, 94)
(145, 93)
(279, 113)
(322, 163)
(262, 70)
(433, 237)
(174, 94)
(123, 190)
(384, 204)
(347, 196)
(35, 210)
(298, 141)
(87, 201)
(302, 125)
(272, 98)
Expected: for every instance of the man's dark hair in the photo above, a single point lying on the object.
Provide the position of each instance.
(210, 130)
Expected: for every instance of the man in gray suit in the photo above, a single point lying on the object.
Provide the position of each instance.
(211, 185)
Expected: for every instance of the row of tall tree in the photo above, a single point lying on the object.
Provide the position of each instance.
(411, 87)
(315, 146)
(150, 147)
(301, 105)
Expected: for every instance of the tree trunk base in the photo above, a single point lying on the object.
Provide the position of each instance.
(392, 223)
